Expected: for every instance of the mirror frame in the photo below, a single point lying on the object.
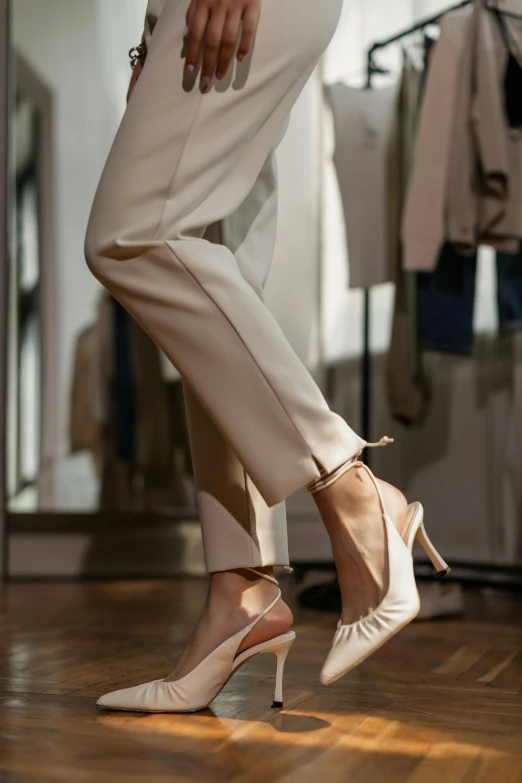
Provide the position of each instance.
(4, 115)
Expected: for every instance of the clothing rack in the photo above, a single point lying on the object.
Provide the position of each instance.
(372, 68)
(366, 368)
(327, 596)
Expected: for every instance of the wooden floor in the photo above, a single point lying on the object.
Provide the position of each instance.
(441, 703)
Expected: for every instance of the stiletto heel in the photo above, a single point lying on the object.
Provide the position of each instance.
(200, 687)
(441, 567)
(355, 642)
(281, 654)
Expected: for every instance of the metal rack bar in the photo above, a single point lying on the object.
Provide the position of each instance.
(414, 29)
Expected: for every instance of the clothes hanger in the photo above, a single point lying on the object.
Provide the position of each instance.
(504, 8)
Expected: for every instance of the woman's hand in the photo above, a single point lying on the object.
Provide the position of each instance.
(214, 26)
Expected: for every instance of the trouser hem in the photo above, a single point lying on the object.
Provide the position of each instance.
(226, 561)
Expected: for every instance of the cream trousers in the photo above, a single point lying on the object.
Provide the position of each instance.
(182, 232)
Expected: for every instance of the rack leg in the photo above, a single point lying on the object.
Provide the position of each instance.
(366, 372)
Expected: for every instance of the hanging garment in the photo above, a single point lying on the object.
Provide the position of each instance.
(84, 423)
(406, 384)
(484, 198)
(446, 297)
(467, 182)
(120, 412)
(366, 162)
(445, 301)
(505, 233)
(510, 14)
(513, 91)
(460, 197)
(424, 218)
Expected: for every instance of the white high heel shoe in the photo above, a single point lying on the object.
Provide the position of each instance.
(354, 643)
(200, 687)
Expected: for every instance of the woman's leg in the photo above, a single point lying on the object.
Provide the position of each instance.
(238, 527)
(181, 161)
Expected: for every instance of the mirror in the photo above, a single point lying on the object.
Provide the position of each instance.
(95, 413)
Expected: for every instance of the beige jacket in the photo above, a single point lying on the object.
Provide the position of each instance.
(424, 218)
(467, 181)
(484, 196)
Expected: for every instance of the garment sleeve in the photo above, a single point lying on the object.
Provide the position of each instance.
(488, 120)
(424, 223)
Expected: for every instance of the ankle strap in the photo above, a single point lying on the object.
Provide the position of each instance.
(348, 466)
(326, 481)
(260, 573)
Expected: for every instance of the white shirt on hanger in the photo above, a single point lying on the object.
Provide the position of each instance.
(368, 172)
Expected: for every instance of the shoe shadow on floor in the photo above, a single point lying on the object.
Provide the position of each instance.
(287, 723)
(284, 722)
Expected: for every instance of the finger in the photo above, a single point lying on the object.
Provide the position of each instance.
(228, 43)
(189, 16)
(250, 21)
(211, 46)
(195, 36)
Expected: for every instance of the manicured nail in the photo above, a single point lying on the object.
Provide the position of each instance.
(191, 68)
(185, 32)
(205, 81)
(240, 58)
(219, 75)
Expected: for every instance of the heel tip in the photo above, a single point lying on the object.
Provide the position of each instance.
(443, 573)
(277, 705)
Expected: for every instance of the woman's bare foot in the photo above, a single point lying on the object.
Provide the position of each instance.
(234, 599)
(352, 515)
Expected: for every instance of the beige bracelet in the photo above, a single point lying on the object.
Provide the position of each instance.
(137, 53)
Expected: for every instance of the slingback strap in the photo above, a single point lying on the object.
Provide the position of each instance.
(271, 606)
(326, 481)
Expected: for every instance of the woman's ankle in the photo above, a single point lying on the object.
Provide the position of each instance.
(352, 493)
(238, 586)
